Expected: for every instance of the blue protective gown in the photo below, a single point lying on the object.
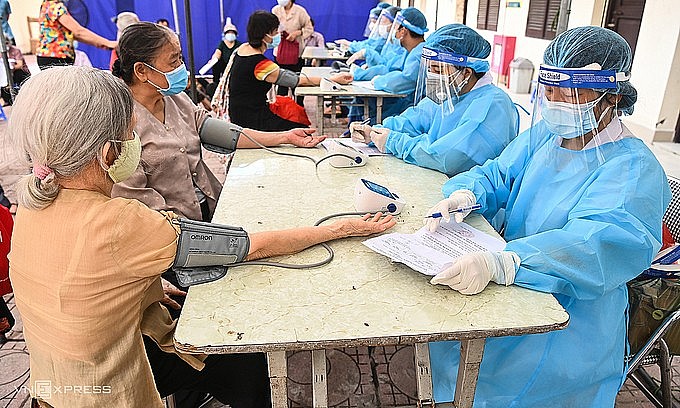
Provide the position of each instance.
(483, 122)
(395, 62)
(369, 43)
(582, 230)
(381, 56)
(400, 77)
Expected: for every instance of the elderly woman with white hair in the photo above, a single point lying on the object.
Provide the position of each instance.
(86, 267)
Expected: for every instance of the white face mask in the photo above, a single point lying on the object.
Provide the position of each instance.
(283, 3)
(571, 120)
(383, 30)
(231, 37)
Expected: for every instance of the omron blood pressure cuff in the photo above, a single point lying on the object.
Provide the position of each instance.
(219, 136)
(205, 251)
(287, 78)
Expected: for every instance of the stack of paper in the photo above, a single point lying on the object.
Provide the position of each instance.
(431, 252)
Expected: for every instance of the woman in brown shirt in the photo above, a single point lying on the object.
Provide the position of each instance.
(86, 268)
(173, 175)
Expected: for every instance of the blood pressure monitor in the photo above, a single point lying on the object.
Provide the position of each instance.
(372, 197)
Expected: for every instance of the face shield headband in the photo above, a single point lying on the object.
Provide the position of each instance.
(572, 111)
(440, 77)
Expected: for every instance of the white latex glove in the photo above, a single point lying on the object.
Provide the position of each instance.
(457, 199)
(359, 55)
(360, 133)
(379, 137)
(471, 273)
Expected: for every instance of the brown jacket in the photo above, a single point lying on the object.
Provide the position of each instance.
(86, 276)
(171, 161)
(294, 19)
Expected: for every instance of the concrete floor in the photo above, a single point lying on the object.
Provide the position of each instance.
(364, 377)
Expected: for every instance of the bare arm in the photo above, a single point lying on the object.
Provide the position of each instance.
(343, 78)
(81, 33)
(297, 137)
(217, 54)
(286, 242)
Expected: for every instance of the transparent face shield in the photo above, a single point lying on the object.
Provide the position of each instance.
(397, 24)
(372, 19)
(441, 78)
(381, 28)
(573, 110)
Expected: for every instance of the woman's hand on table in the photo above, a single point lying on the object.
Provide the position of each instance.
(168, 290)
(343, 78)
(304, 137)
(366, 225)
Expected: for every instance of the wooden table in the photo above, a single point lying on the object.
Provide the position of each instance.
(323, 54)
(360, 298)
(347, 91)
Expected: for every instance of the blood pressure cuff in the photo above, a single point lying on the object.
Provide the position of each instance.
(219, 136)
(287, 78)
(205, 251)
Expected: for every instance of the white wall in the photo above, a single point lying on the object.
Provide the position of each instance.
(17, 20)
(450, 11)
(511, 22)
(656, 72)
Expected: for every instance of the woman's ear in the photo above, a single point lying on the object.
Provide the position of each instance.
(140, 70)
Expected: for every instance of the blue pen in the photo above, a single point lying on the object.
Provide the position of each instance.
(457, 210)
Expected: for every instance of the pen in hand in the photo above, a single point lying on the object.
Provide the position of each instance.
(457, 210)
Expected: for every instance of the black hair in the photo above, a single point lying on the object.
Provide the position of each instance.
(477, 75)
(260, 23)
(140, 42)
(162, 20)
(311, 20)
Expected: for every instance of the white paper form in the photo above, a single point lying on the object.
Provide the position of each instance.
(364, 84)
(430, 252)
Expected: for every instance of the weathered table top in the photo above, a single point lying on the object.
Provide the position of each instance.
(360, 298)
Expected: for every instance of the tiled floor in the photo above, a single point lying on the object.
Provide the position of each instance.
(365, 377)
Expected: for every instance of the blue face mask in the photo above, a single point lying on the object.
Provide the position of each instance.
(570, 120)
(177, 79)
(276, 40)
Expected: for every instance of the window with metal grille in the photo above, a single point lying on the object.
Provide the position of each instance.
(487, 15)
(542, 20)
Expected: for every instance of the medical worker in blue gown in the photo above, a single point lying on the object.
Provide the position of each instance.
(461, 119)
(372, 40)
(400, 74)
(384, 28)
(583, 200)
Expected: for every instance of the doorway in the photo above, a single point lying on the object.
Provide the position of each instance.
(624, 17)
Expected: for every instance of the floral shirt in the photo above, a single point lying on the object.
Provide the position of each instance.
(55, 40)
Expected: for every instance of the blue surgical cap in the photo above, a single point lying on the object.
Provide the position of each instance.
(582, 46)
(414, 20)
(375, 12)
(392, 11)
(461, 39)
(382, 6)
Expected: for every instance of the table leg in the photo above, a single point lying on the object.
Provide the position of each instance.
(378, 109)
(319, 385)
(367, 113)
(319, 115)
(424, 376)
(278, 372)
(334, 118)
(471, 352)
